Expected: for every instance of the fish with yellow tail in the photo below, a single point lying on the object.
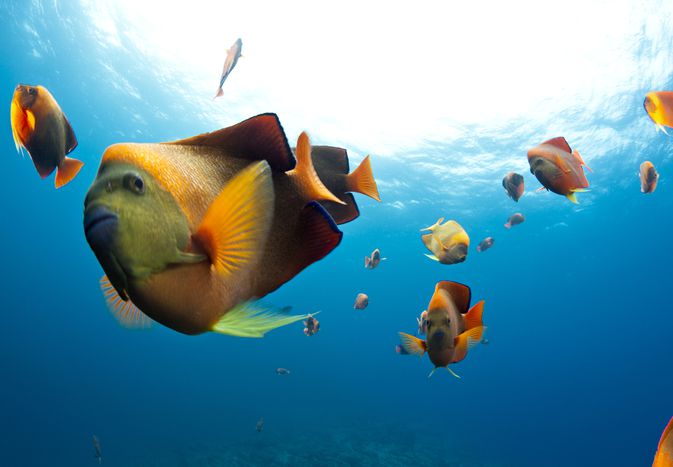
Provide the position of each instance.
(190, 233)
(559, 168)
(659, 107)
(448, 242)
(452, 327)
(41, 128)
(664, 454)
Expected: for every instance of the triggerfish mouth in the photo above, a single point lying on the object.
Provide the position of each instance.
(451, 327)
(190, 233)
(559, 168)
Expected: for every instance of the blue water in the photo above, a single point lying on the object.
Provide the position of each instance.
(578, 310)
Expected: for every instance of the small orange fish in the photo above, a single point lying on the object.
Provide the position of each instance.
(559, 168)
(649, 177)
(659, 106)
(40, 126)
(513, 184)
(452, 327)
(664, 455)
(515, 219)
(361, 301)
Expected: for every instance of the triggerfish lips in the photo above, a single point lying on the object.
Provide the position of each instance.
(100, 228)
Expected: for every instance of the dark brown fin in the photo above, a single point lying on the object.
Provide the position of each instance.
(70, 139)
(460, 294)
(257, 138)
(316, 235)
(560, 143)
(342, 213)
(330, 158)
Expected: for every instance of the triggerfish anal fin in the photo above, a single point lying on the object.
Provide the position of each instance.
(466, 341)
(235, 226)
(572, 197)
(125, 312)
(67, 170)
(257, 138)
(664, 455)
(305, 175)
(250, 320)
(413, 344)
(459, 293)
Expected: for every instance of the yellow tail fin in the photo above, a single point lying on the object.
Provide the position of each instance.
(249, 320)
(67, 171)
(361, 180)
(306, 176)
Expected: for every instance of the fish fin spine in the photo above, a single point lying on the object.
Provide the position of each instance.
(306, 176)
(66, 171)
(362, 180)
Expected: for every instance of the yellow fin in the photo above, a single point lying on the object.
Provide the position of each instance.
(572, 198)
(434, 226)
(413, 344)
(466, 341)
(125, 312)
(18, 121)
(307, 178)
(250, 320)
(432, 257)
(361, 180)
(234, 228)
(30, 119)
(439, 241)
(67, 171)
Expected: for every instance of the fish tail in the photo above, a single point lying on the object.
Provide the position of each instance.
(250, 320)
(219, 93)
(306, 176)
(66, 171)
(361, 180)
(508, 225)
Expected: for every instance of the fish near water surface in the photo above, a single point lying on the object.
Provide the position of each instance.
(448, 242)
(559, 168)
(515, 219)
(649, 177)
(190, 232)
(40, 126)
(373, 260)
(664, 454)
(513, 184)
(233, 54)
(659, 107)
(452, 327)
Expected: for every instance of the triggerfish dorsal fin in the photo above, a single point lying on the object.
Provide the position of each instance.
(473, 318)
(413, 344)
(460, 294)
(466, 341)
(560, 143)
(251, 320)
(306, 177)
(257, 138)
(236, 224)
(362, 180)
(664, 455)
(124, 311)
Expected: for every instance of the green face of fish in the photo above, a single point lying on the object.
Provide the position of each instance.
(133, 225)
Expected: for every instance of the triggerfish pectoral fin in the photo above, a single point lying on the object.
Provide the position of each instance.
(466, 341)
(126, 313)
(250, 320)
(307, 178)
(67, 171)
(413, 344)
(664, 455)
(236, 224)
(361, 180)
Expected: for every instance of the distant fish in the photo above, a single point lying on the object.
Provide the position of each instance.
(649, 177)
(233, 54)
(422, 323)
(448, 242)
(282, 371)
(514, 219)
(559, 168)
(401, 350)
(361, 301)
(664, 455)
(485, 244)
(513, 184)
(452, 327)
(40, 126)
(311, 325)
(659, 106)
(96, 448)
(260, 425)
(373, 260)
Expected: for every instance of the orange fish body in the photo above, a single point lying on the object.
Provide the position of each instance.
(558, 168)
(649, 177)
(659, 107)
(664, 455)
(513, 185)
(40, 126)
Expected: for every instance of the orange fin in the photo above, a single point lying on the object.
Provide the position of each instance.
(664, 454)
(580, 160)
(460, 294)
(257, 138)
(342, 213)
(236, 224)
(473, 318)
(70, 139)
(307, 178)
(466, 341)
(362, 180)
(560, 143)
(440, 300)
(126, 313)
(435, 225)
(67, 171)
(413, 344)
